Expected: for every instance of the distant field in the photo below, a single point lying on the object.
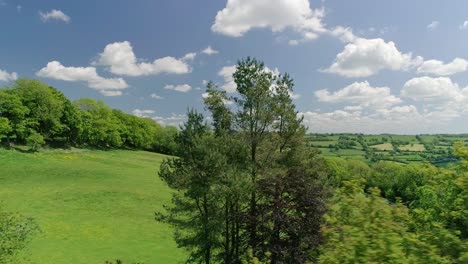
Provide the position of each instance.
(412, 147)
(92, 206)
(436, 149)
(383, 147)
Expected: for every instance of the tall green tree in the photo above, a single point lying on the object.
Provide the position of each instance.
(46, 107)
(256, 174)
(196, 205)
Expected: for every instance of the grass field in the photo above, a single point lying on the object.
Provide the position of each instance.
(383, 147)
(436, 149)
(412, 147)
(92, 206)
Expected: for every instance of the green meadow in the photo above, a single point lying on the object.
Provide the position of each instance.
(91, 206)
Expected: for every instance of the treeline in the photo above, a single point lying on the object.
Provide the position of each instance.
(33, 113)
(250, 190)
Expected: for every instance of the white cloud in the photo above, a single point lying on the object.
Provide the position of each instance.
(398, 119)
(210, 51)
(366, 57)
(437, 67)
(433, 90)
(121, 60)
(229, 85)
(345, 34)
(53, 15)
(189, 56)
(179, 88)
(111, 92)
(362, 94)
(173, 120)
(107, 86)
(143, 113)
(155, 96)
(368, 109)
(241, 16)
(7, 77)
(464, 25)
(294, 96)
(19, 8)
(433, 25)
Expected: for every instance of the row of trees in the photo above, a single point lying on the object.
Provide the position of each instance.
(249, 190)
(34, 113)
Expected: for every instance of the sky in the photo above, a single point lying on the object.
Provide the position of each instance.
(360, 66)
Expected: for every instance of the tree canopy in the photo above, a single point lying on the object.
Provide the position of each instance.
(33, 113)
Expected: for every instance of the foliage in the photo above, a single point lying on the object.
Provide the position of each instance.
(34, 140)
(252, 183)
(5, 128)
(16, 231)
(34, 113)
(365, 228)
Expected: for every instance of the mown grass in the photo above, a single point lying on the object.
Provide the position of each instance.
(91, 206)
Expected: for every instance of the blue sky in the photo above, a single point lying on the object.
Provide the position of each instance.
(359, 66)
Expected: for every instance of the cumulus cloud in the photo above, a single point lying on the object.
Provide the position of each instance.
(53, 15)
(433, 90)
(361, 94)
(226, 72)
(241, 16)
(433, 25)
(368, 109)
(107, 86)
(437, 67)
(366, 57)
(172, 120)
(121, 60)
(8, 77)
(143, 113)
(398, 120)
(345, 34)
(405, 119)
(183, 88)
(210, 51)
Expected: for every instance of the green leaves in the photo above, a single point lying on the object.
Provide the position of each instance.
(365, 228)
(16, 232)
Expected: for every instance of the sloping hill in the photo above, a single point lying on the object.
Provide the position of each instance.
(92, 206)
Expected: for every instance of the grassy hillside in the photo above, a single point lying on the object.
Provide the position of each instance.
(91, 205)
